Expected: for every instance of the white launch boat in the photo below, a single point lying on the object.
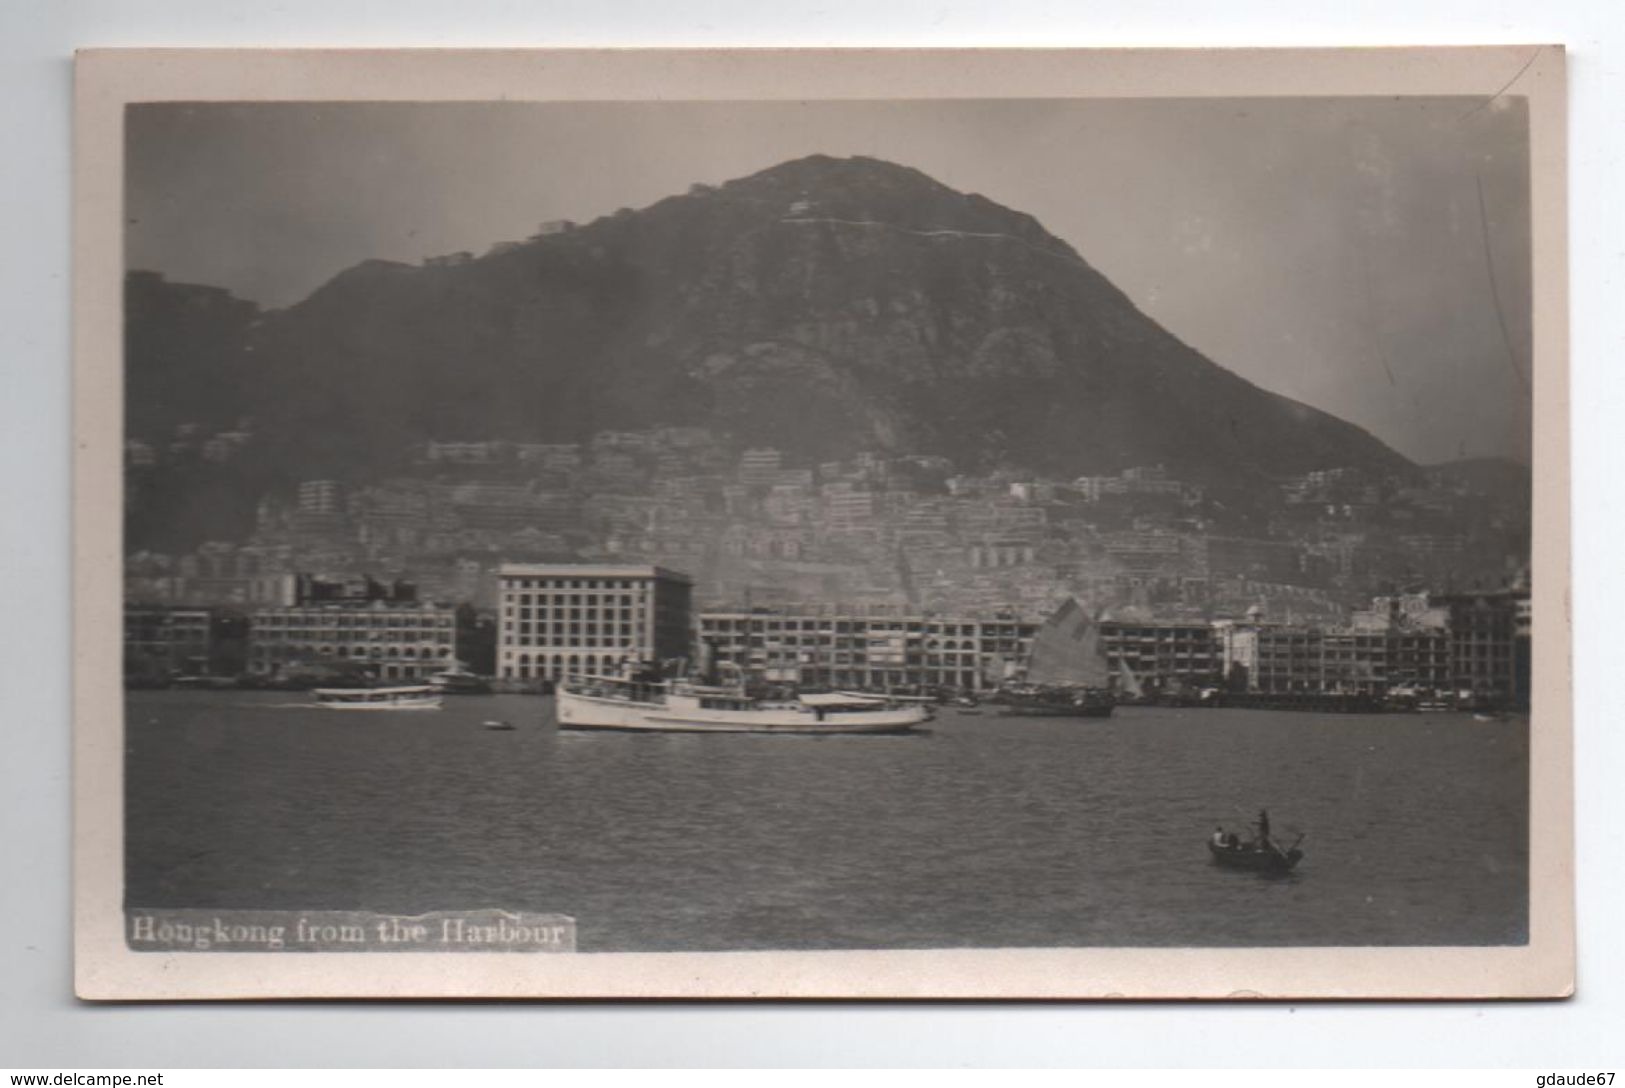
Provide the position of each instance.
(398, 698)
(675, 706)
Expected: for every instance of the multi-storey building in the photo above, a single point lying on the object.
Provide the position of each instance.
(1288, 659)
(1354, 662)
(319, 497)
(1483, 658)
(559, 619)
(1162, 655)
(391, 640)
(1419, 658)
(847, 649)
(1358, 659)
(847, 507)
(167, 640)
(760, 465)
(1144, 480)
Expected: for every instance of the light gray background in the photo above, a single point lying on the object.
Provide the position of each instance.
(41, 1025)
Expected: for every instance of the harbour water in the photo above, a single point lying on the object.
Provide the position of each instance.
(982, 831)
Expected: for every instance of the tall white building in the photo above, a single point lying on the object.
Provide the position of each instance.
(559, 619)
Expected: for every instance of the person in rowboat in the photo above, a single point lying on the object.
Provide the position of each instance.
(1218, 836)
(1264, 829)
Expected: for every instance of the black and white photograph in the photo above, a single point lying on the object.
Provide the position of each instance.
(564, 532)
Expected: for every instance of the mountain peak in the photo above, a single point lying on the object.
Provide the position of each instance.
(864, 191)
(815, 172)
(823, 305)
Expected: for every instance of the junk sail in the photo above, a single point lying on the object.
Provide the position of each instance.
(1067, 674)
(1131, 683)
(1066, 651)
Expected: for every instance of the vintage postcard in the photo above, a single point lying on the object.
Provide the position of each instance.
(843, 524)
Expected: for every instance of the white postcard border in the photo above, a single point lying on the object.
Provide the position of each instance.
(108, 79)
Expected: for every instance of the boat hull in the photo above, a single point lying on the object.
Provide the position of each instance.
(578, 711)
(1242, 857)
(1032, 710)
(377, 699)
(1057, 703)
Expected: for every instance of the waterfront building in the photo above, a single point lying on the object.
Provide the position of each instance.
(1417, 640)
(1162, 655)
(1419, 659)
(563, 618)
(1288, 659)
(161, 641)
(1354, 662)
(1401, 644)
(1484, 664)
(389, 639)
(1292, 659)
(848, 648)
(1522, 661)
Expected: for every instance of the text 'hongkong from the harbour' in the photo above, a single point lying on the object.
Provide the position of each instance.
(190, 930)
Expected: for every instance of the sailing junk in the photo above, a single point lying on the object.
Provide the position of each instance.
(1066, 673)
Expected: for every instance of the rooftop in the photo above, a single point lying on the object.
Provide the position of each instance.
(588, 570)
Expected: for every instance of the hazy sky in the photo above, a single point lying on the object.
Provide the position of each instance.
(1368, 256)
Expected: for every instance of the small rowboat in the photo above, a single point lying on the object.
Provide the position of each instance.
(1266, 857)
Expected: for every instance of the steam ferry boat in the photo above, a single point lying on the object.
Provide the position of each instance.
(589, 702)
